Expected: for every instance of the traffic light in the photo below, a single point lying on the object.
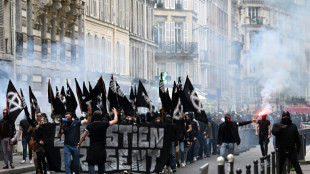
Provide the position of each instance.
(165, 77)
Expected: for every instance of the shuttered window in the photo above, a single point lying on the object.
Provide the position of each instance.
(166, 4)
(185, 32)
(167, 31)
(172, 4)
(100, 9)
(185, 4)
(127, 13)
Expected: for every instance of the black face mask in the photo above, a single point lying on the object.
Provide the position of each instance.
(227, 120)
(286, 121)
(69, 121)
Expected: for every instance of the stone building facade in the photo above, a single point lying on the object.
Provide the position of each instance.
(42, 40)
(288, 21)
(192, 38)
(119, 40)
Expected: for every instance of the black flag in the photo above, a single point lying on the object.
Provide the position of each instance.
(97, 97)
(176, 103)
(89, 87)
(194, 102)
(133, 96)
(81, 97)
(162, 95)
(112, 94)
(124, 102)
(59, 108)
(85, 90)
(50, 93)
(71, 103)
(168, 99)
(13, 103)
(30, 121)
(143, 100)
(33, 104)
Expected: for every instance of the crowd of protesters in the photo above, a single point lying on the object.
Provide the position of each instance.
(191, 140)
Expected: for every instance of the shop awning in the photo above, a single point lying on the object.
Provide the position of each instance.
(291, 109)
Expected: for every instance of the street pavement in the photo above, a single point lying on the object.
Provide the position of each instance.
(240, 161)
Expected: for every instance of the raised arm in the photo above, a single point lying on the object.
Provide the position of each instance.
(115, 120)
(90, 114)
(243, 123)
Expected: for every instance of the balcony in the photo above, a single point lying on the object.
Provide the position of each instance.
(255, 20)
(178, 47)
(253, 1)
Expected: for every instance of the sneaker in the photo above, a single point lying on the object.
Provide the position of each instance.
(195, 159)
(170, 170)
(31, 161)
(183, 164)
(22, 162)
(188, 162)
(174, 170)
(12, 165)
(5, 167)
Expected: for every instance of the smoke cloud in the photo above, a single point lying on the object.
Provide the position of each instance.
(276, 57)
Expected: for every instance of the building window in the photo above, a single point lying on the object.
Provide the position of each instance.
(179, 70)
(87, 8)
(122, 59)
(178, 4)
(106, 10)
(112, 12)
(100, 9)
(253, 15)
(95, 8)
(161, 67)
(159, 35)
(108, 54)
(178, 32)
(120, 16)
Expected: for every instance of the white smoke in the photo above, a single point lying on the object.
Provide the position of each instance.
(277, 56)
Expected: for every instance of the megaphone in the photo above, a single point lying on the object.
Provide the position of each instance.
(58, 119)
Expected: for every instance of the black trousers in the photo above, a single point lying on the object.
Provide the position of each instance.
(292, 156)
(41, 162)
(263, 142)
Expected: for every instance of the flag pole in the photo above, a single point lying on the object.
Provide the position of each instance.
(51, 102)
(162, 106)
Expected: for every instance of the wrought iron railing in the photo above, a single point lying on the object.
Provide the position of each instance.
(178, 47)
(256, 20)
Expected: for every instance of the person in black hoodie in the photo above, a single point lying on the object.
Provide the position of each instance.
(287, 142)
(171, 163)
(7, 132)
(228, 135)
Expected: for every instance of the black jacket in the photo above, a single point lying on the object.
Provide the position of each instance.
(287, 136)
(234, 129)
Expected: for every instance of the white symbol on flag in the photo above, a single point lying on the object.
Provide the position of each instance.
(14, 102)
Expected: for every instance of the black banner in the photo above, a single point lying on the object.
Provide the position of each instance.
(13, 103)
(142, 148)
